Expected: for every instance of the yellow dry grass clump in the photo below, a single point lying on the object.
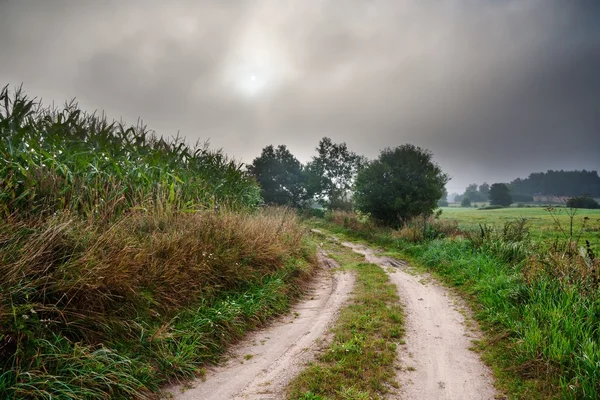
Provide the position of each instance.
(86, 281)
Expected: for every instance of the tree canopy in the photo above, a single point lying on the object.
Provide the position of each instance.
(401, 184)
(332, 172)
(559, 183)
(582, 202)
(500, 195)
(281, 176)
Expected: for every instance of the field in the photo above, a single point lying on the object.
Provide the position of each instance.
(545, 226)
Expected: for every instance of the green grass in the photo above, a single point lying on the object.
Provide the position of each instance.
(127, 260)
(544, 227)
(540, 309)
(60, 368)
(359, 363)
(67, 160)
(549, 328)
(118, 313)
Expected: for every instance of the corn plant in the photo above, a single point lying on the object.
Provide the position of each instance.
(55, 159)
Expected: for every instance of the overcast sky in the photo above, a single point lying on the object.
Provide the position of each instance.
(495, 88)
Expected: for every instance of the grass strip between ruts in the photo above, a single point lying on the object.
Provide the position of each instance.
(360, 361)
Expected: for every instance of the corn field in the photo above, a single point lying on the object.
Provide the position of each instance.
(64, 159)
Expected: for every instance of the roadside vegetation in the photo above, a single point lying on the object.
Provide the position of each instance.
(539, 305)
(360, 361)
(128, 261)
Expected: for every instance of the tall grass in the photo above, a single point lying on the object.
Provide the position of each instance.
(152, 297)
(126, 260)
(65, 159)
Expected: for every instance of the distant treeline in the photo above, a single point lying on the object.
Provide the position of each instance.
(559, 183)
(552, 183)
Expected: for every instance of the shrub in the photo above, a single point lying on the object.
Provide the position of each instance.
(582, 202)
(351, 220)
(466, 202)
(496, 207)
(419, 230)
(511, 244)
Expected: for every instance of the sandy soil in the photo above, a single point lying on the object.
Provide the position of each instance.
(261, 366)
(436, 360)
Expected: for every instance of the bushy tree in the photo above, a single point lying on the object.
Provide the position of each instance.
(465, 202)
(401, 184)
(582, 202)
(500, 195)
(484, 189)
(281, 176)
(332, 172)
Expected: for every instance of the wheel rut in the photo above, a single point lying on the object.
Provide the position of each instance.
(436, 360)
(261, 366)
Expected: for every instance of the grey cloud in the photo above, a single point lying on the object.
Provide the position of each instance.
(497, 89)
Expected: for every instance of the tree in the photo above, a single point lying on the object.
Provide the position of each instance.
(401, 184)
(281, 177)
(473, 194)
(559, 183)
(465, 202)
(332, 172)
(500, 195)
(484, 189)
(443, 201)
(582, 202)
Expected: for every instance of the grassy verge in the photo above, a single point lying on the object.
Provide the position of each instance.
(359, 363)
(127, 260)
(117, 312)
(539, 311)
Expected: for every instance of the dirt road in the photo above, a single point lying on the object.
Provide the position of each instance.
(436, 360)
(261, 366)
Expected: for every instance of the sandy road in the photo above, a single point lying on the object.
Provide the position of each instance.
(262, 364)
(436, 360)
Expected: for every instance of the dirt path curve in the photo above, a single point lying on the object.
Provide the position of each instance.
(436, 360)
(262, 364)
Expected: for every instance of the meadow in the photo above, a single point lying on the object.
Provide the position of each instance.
(546, 225)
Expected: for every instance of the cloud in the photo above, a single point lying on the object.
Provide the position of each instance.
(496, 89)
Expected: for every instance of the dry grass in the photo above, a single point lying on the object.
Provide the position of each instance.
(95, 284)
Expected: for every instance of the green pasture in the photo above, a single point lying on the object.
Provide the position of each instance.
(544, 225)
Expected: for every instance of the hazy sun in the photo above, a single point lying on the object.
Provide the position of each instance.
(256, 66)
